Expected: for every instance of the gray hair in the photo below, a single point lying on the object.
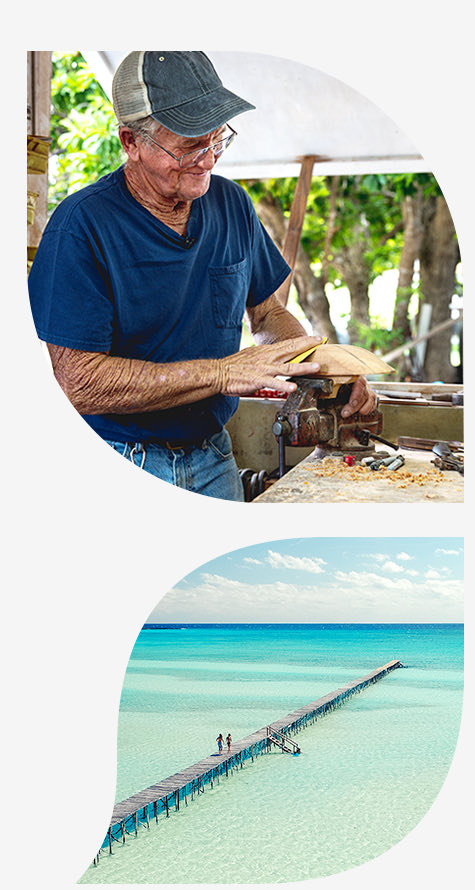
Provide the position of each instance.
(145, 127)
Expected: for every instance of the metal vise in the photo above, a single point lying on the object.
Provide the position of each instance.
(311, 416)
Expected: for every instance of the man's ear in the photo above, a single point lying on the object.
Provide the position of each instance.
(128, 142)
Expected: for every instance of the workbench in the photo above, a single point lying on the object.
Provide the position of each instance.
(332, 481)
(254, 444)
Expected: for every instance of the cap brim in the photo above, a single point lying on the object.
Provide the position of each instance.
(203, 115)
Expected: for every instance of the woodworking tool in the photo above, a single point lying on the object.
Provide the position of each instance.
(312, 416)
(445, 459)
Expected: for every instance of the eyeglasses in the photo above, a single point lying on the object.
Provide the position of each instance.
(190, 158)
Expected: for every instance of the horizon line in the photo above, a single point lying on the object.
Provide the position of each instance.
(293, 623)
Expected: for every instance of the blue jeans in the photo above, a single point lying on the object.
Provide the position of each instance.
(210, 469)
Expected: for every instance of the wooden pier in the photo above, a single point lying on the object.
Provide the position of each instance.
(178, 790)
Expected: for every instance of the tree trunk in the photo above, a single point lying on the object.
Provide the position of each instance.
(439, 256)
(312, 298)
(353, 267)
(412, 210)
(309, 287)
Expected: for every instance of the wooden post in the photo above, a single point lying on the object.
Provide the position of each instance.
(110, 839)
(38, 124)
(294, 228)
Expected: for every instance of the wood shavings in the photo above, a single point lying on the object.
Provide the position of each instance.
(336, 467)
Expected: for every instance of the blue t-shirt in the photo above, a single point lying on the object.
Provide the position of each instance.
(110, 277)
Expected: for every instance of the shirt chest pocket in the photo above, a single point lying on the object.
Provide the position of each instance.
(229, 287)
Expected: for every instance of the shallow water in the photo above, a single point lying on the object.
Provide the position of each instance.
(367, 774)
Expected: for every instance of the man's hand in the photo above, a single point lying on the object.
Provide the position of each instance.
(270, 322)
(362, 399)
(258, 367)
(97, 383)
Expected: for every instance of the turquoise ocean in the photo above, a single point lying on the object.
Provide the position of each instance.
(367, 774)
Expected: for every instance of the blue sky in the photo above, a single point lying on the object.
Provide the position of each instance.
(324, 580)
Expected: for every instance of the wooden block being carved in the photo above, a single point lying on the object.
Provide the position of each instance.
(344, 362)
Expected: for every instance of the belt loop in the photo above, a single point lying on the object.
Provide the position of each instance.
(138, 448)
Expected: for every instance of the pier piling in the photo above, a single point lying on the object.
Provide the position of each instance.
(156, 799)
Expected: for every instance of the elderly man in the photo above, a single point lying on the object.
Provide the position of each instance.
(142, 279)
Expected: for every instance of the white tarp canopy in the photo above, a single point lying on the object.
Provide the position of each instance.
(299, 111)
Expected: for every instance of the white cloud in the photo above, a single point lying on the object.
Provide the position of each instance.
(442, 589)
(392, 567)
(343, 596)
(301, 563)
(403, 556)
(285, 561)
(362, 581)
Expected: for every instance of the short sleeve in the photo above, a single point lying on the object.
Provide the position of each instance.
(70, 293)
(269, 269)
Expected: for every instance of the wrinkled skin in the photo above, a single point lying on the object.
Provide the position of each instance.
(98, 383)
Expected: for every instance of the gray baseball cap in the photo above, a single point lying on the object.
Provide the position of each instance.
(181, 90)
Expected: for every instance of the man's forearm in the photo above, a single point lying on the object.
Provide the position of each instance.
(271, 322)
(97, 383)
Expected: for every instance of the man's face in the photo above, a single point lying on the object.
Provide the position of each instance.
(163, 173)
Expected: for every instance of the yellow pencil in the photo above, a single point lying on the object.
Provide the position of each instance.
(303, 355)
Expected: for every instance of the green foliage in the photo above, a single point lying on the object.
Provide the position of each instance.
(367, 207)
(409, 183)
(315, 222)
(405, 294)
(369, 211)
(85, 144)
(378, 339)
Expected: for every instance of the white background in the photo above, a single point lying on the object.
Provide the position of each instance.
(91, 543)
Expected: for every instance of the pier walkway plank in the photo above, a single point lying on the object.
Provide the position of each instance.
(254, 743)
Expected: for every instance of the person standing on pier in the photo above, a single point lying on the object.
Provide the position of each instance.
(220, 741)
(228, 742)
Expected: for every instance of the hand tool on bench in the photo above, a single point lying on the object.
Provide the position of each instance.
(446, 459)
